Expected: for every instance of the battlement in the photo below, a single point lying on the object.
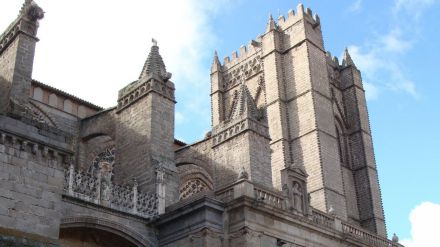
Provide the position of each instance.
(283, 23)
(245, 52)
(332, 60)
(301, 13)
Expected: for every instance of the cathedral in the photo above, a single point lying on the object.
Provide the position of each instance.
(289, 160)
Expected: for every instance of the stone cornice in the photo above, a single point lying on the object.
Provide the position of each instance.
(141, 89)
(229, 130)
(35, 140)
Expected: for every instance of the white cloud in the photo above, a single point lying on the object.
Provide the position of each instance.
(395, 41)
(413, 8)
(380, 58)
(355, 6)
(425, 225)
(94, 48)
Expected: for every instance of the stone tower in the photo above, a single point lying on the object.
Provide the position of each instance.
(315, 111)
(289, 160)
(145, 128)
(17, 49)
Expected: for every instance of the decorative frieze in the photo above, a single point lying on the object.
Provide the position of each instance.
(142, 89)
(18, 144)
(242, 72)
(226, 131)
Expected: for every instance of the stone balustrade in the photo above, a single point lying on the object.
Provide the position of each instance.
(367, 237)
(95, 189)
(275, 199)
(269, 197)
(322, 218)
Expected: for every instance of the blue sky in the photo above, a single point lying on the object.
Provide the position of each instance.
(395, 43)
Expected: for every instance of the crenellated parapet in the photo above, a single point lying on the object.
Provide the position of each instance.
(245, 53)
(292, 17)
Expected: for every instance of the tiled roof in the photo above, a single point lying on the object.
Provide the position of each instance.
(67, 95)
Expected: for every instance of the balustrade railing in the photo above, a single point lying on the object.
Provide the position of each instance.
(269, 197)
(370, 238)
(95, 189)
(226, 195)
(322, 219)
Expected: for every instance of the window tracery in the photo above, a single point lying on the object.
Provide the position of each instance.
(104, 162)
(192, 187)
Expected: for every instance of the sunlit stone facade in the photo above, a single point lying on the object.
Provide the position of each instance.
(289, 160)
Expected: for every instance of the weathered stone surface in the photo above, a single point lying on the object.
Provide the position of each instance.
(289, 160)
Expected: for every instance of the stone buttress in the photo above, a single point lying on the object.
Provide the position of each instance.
(145, 129)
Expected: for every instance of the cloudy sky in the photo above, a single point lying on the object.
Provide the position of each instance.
(93, 48)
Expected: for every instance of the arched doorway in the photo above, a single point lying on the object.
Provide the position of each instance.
(87, 231)
(90, 237)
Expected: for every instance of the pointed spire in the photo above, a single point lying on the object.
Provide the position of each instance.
(271, 24)
(216, 65)
(245, 104)
(154, 66)
(347, 61)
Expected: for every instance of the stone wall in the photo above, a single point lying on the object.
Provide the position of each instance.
(7, 64)
(31, 180)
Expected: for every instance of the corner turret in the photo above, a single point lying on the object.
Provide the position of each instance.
(145, 130)
(216, 65)
(271, 24)
(17, 50)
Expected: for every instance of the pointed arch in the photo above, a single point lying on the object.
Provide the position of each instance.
(342, 140)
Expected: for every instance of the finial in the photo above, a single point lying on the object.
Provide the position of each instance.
(216, 66)
(331, 210)
(154, 66)
(347, 59)
(243, 174)
(395, 238)
(271, 24)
